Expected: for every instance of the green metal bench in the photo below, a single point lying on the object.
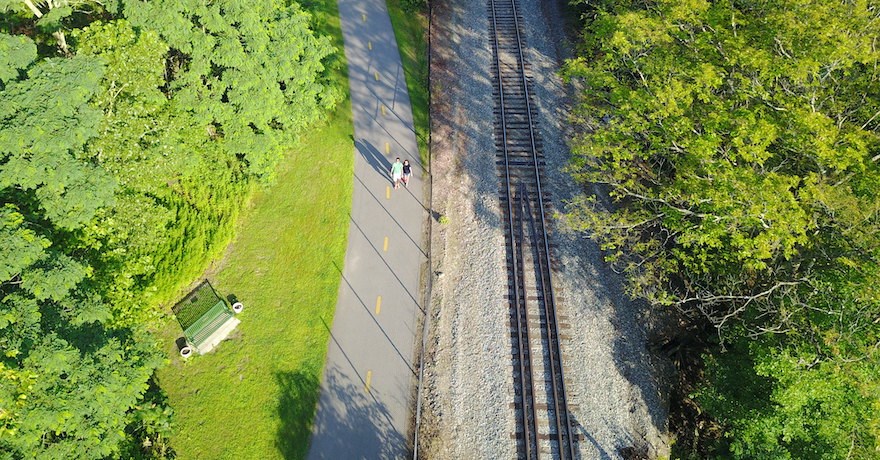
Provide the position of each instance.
(203, 315)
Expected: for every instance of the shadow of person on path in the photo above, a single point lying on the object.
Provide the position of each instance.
(382, 166)
(374, 158)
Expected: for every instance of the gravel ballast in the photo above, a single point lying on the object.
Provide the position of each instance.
(615, 396)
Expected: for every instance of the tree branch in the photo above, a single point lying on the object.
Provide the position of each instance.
(684, 211)
(33, 8)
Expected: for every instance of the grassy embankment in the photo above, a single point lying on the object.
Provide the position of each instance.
(255, 396)
(410, 29)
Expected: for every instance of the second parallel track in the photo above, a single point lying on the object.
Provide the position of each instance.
(537, 376)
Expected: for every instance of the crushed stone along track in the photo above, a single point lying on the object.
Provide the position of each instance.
(615, 387)
(543, 425)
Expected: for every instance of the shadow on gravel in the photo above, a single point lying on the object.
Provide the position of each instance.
(633, 359)
(632, 322)
(578, 429)
(459, 123)
(630, 319)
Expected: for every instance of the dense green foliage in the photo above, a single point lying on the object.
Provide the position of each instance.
(69, 377)
(738, 143)
(127, 147)
(254, 69)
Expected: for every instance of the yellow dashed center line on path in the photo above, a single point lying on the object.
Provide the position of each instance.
(383, 110)
(388, 192)
(370, 45)
(387, 148)
(363, 17)
(385, 245)
(378, 304)
(367, 384)
(376, 74)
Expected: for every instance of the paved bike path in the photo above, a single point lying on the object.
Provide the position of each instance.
(368, 382)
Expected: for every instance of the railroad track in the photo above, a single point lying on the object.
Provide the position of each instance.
(542, 413)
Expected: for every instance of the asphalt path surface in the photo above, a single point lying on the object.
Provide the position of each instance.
(367, 389)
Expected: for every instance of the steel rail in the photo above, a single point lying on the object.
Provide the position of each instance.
(560, 409)
(525, 357)
(563, 426)
(527, 406)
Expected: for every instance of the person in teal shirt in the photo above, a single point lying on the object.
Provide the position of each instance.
(396, 172)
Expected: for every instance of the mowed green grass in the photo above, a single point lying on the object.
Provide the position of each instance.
(255, 395)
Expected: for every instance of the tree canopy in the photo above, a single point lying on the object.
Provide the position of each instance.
(732, 152)
(131, 133)
(252, 69)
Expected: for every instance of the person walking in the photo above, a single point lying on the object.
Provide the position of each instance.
(396, 172)
(407, 173)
